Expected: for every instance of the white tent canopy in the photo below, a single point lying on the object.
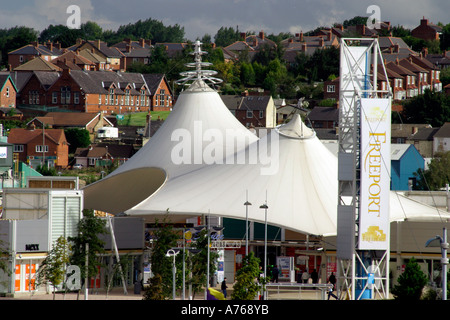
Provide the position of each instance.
(301, 194)
(193, 166)
(199, 114)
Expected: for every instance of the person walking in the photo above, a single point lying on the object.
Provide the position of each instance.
(332, 281)
(314, 276)
(275, 273)
(305, 276)
(224, 287)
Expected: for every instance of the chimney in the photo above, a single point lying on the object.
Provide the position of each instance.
(142, 43)
(79, 41)
(301, 36)
(98, 44)
(329, 36)
(304, 47)
(148, 42)
(261, 35)
(396, 48)
(58, 45)
(128, 48)
(243, 36)
(424, 22)
(321, 42)
(50, 45)
(35, 43)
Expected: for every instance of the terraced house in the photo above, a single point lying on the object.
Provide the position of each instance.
(99, 91)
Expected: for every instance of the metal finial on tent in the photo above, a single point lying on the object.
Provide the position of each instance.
(199, 73)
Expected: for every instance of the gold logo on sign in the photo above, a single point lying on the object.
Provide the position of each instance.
(374, 233)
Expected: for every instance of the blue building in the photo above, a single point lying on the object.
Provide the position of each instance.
(405, 160)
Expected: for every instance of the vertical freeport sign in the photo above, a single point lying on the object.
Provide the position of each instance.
(375, 164)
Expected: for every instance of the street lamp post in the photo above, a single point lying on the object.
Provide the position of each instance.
(265, 207)
(169, 253)
(441, 242)
(246, 204)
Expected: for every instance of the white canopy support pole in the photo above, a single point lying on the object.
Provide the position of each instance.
(116, 251)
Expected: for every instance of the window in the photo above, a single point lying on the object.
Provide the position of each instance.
(331, 88)
(18, 148)
(65, 95)
(249, 114)
(21, 58)
(54, 97)
(33, 97)
(7, 91)
(41, 149)
(127, 97)
(76, 97)
(261, 114)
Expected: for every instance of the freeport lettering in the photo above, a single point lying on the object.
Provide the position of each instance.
(373, 163)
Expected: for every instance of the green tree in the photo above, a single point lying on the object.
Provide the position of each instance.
(226, 36)
(247, 286)
(437, 175)
(165, 239)
(410, 283)
(53, 268)
(198, 261)
(90, 228)
(431, 107)
(77, 138)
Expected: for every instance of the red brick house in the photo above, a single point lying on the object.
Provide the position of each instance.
(426, 31)
(99, 91)
(37, 146)
(8, 91)
(161, 95)
(35, 88)
(47, 51)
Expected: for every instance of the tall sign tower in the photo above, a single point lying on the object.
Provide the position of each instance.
(363, 172)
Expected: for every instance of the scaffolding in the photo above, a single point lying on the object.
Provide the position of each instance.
(362, 272)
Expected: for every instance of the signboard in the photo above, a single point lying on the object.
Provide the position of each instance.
(3, 152)
(375, 167)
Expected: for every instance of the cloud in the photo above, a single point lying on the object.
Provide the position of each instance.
(200, 17)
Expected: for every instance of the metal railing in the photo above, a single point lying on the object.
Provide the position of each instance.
(297, 291)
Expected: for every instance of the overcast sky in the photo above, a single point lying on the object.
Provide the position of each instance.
(200, 17)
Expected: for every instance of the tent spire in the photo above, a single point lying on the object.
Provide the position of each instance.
(199, 75)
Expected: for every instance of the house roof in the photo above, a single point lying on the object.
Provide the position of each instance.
(403, 130)
(398, 150)
(98, 150)
(37, 64)
(324, 114)
(4, 78)
(153, 81)
(424, 134)
(72, 60)
(37, 49)
(396, 67)
(101, 81)
(254, 102)
(92, 56)
(23, 136)
(72, 119)
(444, 131)
(134, 44)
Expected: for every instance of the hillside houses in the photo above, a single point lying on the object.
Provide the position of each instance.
(94, 91)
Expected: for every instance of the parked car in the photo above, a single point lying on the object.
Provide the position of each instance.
(77, 166)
